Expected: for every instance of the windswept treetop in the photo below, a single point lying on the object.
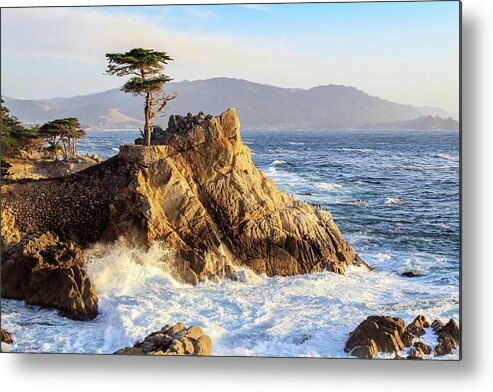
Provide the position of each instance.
(137, 61)
(145, 65)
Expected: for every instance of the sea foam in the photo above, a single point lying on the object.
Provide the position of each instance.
(327, 186)
(394, 200)
(304, 315)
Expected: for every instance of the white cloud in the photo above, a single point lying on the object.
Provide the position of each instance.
(63, 35)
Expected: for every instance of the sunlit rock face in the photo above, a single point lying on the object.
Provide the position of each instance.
(199, 193)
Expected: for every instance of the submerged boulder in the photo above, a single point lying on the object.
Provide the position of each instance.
(44, 271)
(172, 340)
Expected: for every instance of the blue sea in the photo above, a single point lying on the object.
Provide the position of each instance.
(395, 197)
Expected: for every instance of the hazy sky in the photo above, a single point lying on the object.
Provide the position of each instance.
(405, 52)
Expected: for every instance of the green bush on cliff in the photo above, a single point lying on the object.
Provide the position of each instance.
(14, 137)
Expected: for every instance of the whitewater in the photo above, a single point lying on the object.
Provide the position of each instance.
(306, 315)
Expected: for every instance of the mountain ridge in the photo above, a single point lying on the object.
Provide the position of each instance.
(260, 106)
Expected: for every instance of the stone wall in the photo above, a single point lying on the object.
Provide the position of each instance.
(74, 207)
(143, 155)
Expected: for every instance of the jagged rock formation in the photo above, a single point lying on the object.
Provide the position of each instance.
(384, 334)
(378, 334)
(448, 336)
(172, 340)
(418, 325)
(421, 349)
(201, 195)
(44, 271)
(197, 191)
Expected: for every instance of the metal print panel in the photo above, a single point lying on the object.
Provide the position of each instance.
(277, 180)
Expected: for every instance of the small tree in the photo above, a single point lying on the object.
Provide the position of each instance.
(61, 135)
(145, 66)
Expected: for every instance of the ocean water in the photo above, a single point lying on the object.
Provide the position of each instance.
(395, 197)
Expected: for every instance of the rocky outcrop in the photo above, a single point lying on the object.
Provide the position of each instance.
(418, 325)
(196, 191)
(6, 337)
(201, 195)
(384, 334)
(378, 334)
(172, 340)
(448, 337)
(44, 271)
(422, 348)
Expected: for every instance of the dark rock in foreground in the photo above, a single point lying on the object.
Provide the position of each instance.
(44, 271)
(422, 348)
(378, 334)
(418, 325)
(6, 337)
(384, 334)
(172, 340)
(448, 337)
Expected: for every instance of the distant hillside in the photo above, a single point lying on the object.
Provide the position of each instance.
(420, 123)
(259, 106)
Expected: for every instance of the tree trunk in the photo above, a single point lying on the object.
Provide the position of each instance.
(147, 125)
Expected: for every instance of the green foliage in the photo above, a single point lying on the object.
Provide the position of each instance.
(13, 136)
(61, 135)
(138, 86)
(146, 67)
(138, 62)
